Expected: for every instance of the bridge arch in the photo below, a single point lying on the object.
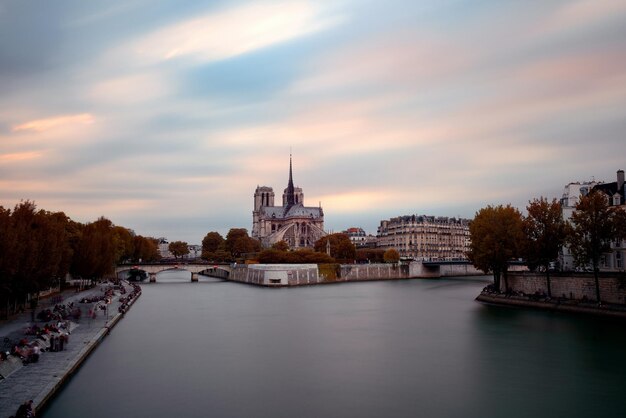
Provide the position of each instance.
(215, 270)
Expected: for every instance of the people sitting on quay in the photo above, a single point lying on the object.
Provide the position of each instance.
(25, 410)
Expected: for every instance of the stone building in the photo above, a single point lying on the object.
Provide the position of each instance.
(614, 192)
(426, 238)
(359, 238)
(298, 225)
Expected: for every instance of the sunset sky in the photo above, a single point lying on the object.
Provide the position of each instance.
(165, 116)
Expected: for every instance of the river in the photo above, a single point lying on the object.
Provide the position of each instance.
(409, 348)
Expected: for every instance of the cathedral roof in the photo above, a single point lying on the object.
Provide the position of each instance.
(294, 211)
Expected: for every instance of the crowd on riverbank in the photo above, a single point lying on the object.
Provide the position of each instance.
(51, 330)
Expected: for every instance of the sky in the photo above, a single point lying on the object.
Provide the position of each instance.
(165, 116)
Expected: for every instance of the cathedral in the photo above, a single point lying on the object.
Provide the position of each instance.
(298, 225)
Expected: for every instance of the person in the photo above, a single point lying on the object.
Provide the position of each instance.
(29, 409)
(53, 343)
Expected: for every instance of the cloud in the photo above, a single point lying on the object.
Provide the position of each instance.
(231, 32)
(131, 89)
(19, 156)
(41, 125)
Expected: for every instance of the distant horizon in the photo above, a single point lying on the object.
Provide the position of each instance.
(164, 117)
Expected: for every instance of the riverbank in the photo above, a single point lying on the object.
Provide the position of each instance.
(557, 305)
(41, 380)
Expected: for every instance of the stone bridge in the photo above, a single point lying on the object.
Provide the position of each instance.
(221, 271)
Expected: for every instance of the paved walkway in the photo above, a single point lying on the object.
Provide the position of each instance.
(39, 381)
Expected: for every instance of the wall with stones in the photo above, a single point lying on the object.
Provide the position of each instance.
(571, 286)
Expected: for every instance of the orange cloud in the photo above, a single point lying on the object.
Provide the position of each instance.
(19, 156)
(40, 125)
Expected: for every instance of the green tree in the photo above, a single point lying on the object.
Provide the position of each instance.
(496, 235)
(178, 248)
(593, 226)
(391, 256)
(544, 235)
(341, 248)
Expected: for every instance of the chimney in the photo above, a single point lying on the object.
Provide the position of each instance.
(620, 181)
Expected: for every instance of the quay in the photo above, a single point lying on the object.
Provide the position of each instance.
(41, 380)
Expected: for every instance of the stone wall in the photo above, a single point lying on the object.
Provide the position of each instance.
(577, 286)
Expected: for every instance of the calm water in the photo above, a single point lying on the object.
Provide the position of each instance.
(418, 348)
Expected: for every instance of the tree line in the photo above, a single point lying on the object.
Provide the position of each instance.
(38, 248)
(500, 234)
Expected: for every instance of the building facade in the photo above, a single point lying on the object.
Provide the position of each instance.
(614, 192)
(359, 238)
(426, 238)
(298, 225)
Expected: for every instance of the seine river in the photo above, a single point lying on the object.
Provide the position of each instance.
(411, 348)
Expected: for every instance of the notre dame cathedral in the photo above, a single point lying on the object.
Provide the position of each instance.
(297, 225)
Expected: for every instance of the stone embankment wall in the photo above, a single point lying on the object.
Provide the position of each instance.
(307, 274)
(573, 286)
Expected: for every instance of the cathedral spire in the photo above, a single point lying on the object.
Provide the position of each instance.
(291, 200)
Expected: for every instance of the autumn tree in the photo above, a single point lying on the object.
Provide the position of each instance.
(370, 255)
(95, 256)
(146, 249)
(238, 242)
(178, 248)
(281, 246)
(593, 226)
(391, 256)
(341, 248)
(212, 242)
(124, 244)
(544, 235)
(496, 235)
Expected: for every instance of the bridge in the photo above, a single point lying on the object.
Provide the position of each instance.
(221, 271)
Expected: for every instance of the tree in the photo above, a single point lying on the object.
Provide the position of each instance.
(341, 248)
(124, 244)
(238, 242)
(391, 256)
(370, 255)
(178, 248)
(281, 246)
(495, 234)
(96, 252)
(544, 235)
(212, 242)
(146, 249)
(593, 226)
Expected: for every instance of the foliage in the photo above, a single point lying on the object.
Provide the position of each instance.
(178, 248)
(146, 249)
(544, 235)
(496, 235)
(341, 248)
(391, 256)
(238, 242)
(124, 244)
(593, 226)
(370, 255)
(212, 242)
(281, 246)
(96, 252)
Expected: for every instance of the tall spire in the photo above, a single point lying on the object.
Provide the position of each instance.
(291, 200)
